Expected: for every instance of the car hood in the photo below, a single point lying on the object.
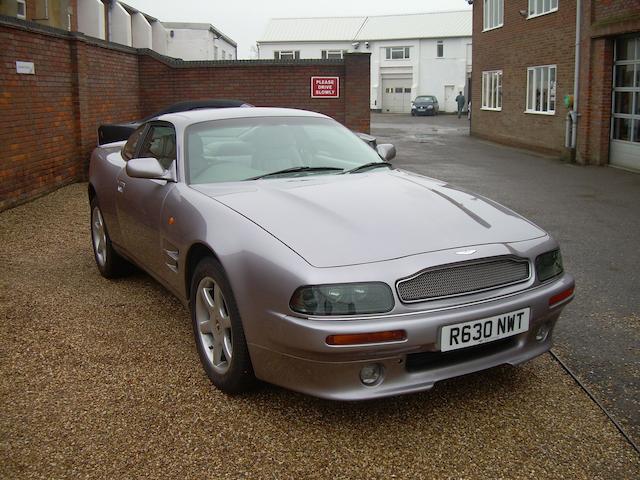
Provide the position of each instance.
(422, 104)
(336, 220)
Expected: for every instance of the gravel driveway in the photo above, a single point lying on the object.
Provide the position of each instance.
(100, 379)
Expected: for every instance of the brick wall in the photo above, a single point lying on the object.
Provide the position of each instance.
(48, 121)
(519, 44)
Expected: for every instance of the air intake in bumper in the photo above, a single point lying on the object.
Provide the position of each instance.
(463, 278)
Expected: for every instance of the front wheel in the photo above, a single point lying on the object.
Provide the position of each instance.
(217, 329)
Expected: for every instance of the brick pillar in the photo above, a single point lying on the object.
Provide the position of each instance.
(85, 134)
(595, 104)
(357, 88)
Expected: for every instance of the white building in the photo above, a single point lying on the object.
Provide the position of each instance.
(118, 22)
(199, 41)
(411, 55)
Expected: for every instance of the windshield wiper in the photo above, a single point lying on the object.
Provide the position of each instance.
(369, 165)
(294, 170)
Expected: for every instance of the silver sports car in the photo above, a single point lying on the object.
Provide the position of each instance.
(309, 261)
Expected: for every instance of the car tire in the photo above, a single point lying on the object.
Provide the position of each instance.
(217, 329)
(109, 262)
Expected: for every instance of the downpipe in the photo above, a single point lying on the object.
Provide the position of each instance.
(572, 117)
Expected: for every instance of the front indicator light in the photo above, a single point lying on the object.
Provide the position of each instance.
(364, 338)
(343, 299)
(560, 297)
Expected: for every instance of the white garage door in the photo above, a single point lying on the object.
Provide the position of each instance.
(396, 95)
(625, 125)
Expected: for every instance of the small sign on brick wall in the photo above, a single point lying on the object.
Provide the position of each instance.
(325, 87)
(25, 68)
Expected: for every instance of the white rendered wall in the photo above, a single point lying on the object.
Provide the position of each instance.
(141, 33)
(190, 44)
(227, 47)
(159, 37)
(119, 25)
(91, 18)
(307, 49)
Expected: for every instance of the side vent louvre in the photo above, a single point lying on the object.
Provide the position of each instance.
(172, 258)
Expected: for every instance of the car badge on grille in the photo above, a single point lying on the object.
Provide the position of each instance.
(466, 252)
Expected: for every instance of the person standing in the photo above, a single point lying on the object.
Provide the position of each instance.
(460, 100)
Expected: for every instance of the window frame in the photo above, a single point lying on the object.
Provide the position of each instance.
(295, 54)
(24, 9)
(440, 49)
(324, 54)
(549, 90)
(143, 134)
(490, 102)
(147, 136)
(406, 53)
(486, 7)
(539, 14)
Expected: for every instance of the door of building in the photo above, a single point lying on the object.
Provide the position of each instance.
(625, 123)
(450, 98)
(396, 95)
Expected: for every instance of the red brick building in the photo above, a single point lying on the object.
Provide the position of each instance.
(523, 77)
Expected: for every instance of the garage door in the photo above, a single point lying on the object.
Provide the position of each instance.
(396, 95)
(625, 127)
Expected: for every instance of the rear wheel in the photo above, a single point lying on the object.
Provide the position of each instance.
(218, 329)
(109, 263)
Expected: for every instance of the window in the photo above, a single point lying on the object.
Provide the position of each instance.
(332, 54)
(493, 13)
(397, 53)
(160, 143)
(626, 90)
(22, 9)
(224, 55)
(541, 7)
(440, 49)
(492, 90)
(129, 149)
(286, 54)
(541, 89)
(215, 52)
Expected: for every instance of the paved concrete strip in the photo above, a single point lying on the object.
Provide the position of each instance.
(100, 379)
(592, 211)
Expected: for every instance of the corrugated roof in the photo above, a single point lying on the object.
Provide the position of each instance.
(312, 29)
(384, 27)
(419, 25)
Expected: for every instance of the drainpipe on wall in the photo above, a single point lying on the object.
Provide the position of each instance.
(576, 83)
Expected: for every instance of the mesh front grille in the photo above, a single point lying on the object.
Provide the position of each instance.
(460, 279)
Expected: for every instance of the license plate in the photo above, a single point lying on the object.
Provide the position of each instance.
(475, 332)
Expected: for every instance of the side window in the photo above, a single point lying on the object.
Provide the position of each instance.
(129, 149)
(160, 143)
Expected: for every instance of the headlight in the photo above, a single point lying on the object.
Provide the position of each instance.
(429, 107)
(344, 299)
(549, 265)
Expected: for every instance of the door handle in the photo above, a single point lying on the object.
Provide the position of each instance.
(121, 186)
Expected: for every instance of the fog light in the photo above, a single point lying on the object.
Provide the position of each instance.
(543, 333)
(371, 375)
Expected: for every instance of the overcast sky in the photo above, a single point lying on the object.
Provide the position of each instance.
(245, 20)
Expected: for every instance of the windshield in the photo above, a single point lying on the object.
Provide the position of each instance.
(428, 98)
(247, 148)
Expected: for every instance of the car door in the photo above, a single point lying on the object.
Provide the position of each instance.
(139, 201)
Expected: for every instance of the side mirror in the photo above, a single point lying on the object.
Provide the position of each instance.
(148, 168)
(387, 151)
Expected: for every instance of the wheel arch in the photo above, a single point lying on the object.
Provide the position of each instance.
(91, 191)
(196, 252)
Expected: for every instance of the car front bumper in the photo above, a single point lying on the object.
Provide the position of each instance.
(296, 355)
